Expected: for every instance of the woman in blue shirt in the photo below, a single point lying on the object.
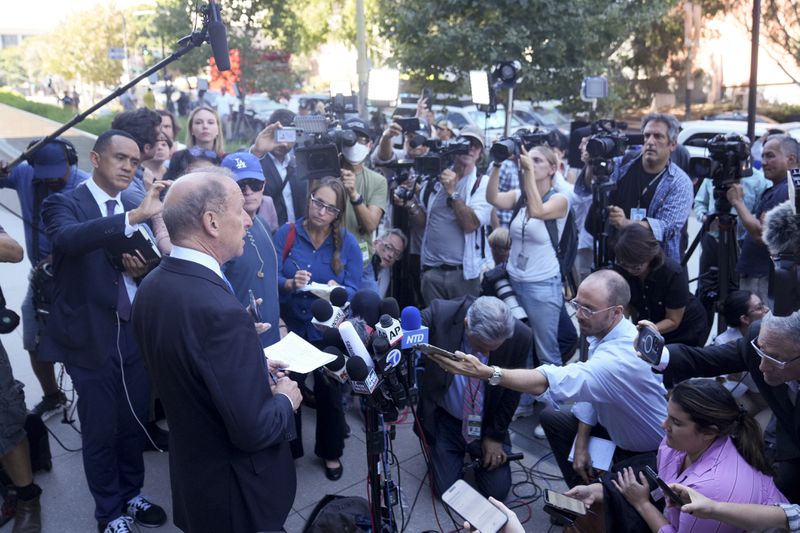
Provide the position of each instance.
(317, 248)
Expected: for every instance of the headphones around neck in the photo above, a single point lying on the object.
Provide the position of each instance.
(69, 148)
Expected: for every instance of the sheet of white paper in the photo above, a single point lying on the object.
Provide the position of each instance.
(320, 290)
(600, 450)
(299, 355)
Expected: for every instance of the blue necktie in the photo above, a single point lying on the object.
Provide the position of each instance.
(228, 283)
(123, 301)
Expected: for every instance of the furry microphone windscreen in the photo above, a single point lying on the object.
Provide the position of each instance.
(782, 230)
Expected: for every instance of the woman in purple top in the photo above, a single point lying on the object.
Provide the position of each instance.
(713, 446)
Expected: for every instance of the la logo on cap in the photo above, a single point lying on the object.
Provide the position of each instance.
(240, 163)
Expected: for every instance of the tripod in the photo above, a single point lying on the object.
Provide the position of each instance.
(382, 518)
(726, 257)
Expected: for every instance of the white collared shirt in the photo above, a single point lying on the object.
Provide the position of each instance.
(101, 197)
(196, 256)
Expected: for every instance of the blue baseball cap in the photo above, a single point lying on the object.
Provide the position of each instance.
(50, 161)
(244, 165)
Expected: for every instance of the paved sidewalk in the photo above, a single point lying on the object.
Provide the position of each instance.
(66, 503)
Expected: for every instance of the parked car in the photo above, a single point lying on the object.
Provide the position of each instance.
(460, 116)
(739, 116)
(544, 117)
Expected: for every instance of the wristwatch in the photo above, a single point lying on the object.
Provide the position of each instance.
(452, 198)
(497, 375)
(358, 201)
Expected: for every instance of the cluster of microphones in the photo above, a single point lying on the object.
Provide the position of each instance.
(374, 345)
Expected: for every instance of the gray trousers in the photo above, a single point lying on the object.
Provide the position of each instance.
(447, 284)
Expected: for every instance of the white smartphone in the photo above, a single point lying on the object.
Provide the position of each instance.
(564, 503)
(286, 135)
(474, 508)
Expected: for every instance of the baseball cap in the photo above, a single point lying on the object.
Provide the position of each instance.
(448, 125)
(357, 125)
(50, 161)
(244, 165)
(473, 132)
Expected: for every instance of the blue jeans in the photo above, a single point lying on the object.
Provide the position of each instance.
(542, 301)
(448, 451)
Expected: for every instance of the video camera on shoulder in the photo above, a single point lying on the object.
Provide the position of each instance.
(319, 143)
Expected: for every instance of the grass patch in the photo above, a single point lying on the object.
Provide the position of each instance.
(95, 126)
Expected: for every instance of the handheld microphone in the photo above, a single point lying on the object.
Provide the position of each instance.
(218, 37)
(388, 361)
(354, 344)
(338, 298)
(331, 337)
(413, 331)
(325, 315)
(367, 305)
(389, 329)
(363, 379)
(336, 368)
(389, 306)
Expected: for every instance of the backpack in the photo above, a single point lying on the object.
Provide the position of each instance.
(566, 247)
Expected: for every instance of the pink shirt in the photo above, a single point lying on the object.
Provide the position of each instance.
(720, 474)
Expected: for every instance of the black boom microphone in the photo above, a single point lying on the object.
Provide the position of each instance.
(218, 37)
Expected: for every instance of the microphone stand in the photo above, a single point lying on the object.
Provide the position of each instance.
(186, 45)
(376, 436)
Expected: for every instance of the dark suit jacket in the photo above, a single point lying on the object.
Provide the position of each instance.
(686, 362)
(82, 327)
(230, 465)
(445, 320)
(274, 188)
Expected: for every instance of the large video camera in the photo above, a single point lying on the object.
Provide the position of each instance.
(607, 140)
(729, 161)
(319, 143)
(513, 144)
(439, 157)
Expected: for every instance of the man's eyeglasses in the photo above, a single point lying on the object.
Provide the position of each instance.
(585, 311)
(254, 184)
(392, 250)
(776, 362)
(325, 208)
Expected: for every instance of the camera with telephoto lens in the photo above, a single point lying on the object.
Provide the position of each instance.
(512, 145)
(495, 283)
(319, 143)
(440, 156)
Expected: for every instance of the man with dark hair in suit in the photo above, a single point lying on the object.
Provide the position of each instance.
(89, 329)
(287, 189)
(230, 412)
(463, 415)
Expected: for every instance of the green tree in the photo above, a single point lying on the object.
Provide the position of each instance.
(79, 46)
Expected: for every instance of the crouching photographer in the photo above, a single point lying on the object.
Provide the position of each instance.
(14, 453)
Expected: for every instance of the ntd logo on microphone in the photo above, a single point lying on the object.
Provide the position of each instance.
(414, 337)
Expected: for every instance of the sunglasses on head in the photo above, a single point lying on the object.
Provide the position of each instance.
(254, 184)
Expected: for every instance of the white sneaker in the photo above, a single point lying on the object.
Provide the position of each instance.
(123, 524)
(538, 432)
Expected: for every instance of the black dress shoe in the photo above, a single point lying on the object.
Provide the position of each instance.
(159, 436)
(334, 473)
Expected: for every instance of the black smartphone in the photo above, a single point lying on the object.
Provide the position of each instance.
(254, 306)
(424, 347)
(650, 345)
(409, 124)
(427, 94)
(668, 492)
(564, 503)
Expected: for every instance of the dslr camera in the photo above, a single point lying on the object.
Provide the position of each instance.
(512, 145)
(440, 156)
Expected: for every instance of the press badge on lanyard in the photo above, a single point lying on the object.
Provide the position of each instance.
(638, 213)
(473, 425)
